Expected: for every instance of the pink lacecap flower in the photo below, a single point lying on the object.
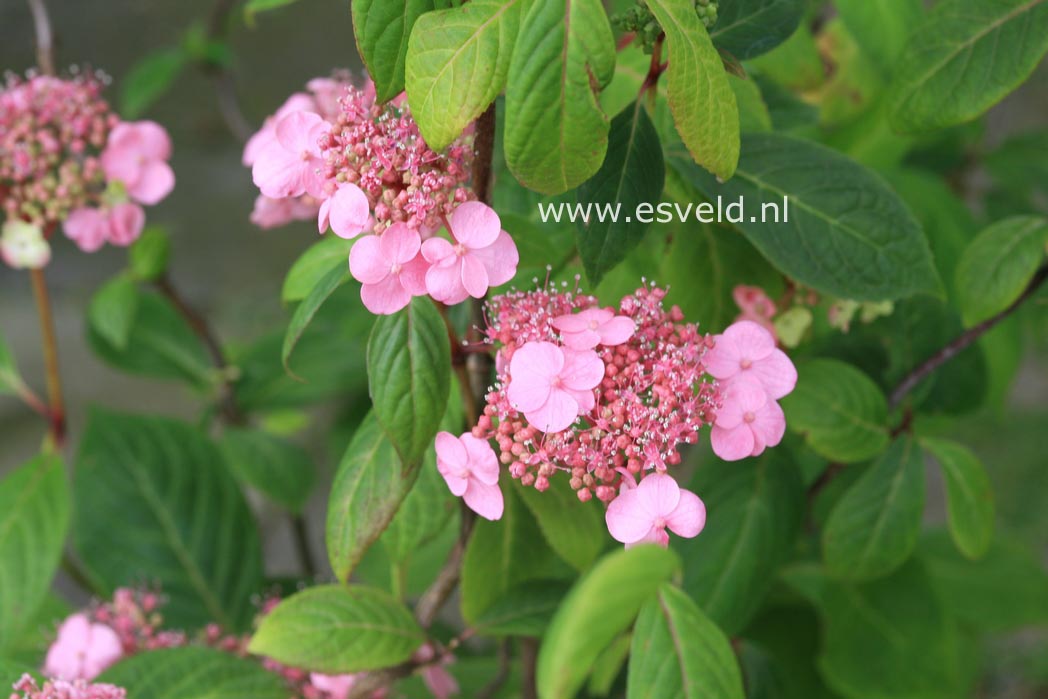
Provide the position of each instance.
(747, 349)
(271, 213)
(471, 470)
(346, 211)
(747, 422)
(335, 686)
(482, 255)
(390, 269)
(298, 102)
(592, 327)
(642, 514)
(125, 223)
(136, 154)
(82, 650)
(552, 385)
(288, 164)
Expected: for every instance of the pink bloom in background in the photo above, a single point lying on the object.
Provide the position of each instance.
(747, 349)
(592, 327)
(747, 422)
(272, 213)
(335, 686)
(125, 223)
(755, 305)
(23, 246)
(61, 689)
(551, 385)
(82, 650)
(298, 102)
(88, 228)
(288, 164)
(642, 514)
(346, 211)
(482, 255)
(137, 154)
(471, 470)
(390, 269)
(438, 680)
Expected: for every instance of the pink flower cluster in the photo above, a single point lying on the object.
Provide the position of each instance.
(66, 158)
(607, 396)
(27, 688)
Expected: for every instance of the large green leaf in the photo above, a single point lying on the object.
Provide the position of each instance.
(278, 468)
(457, 63)
(758, 506)
(575, 530)
(154, 502)
(748, 28)
(881, 27)
(112, 310)
(369, 486)
(700, 97)
(338, 629)
(998, 264)
(556, 134)
(382, 28)
(601, 606)
(632, 174)
(964, 58)
(843, 231)
(150, 79)
(312, 265)
(194, 672)
(839, 410)
(874, 527)
(678, 652)
(34, 516)
(307, 310)
(409, 376)
(969, 497)
(525, 610)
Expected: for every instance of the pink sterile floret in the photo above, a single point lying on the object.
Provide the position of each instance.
(390, 268)
(642, 514)
(551, 385)
(592, 327)
(346, 212)
(82, 650)
(136, 155)
(471, 470)
(748, 421)
(747, 349)
(287, 164)
(481, 256)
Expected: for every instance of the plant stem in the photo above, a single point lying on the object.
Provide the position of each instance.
(45, 54)
(305, 555)
(962, 341)
(55, 405)
(529, 657)
(433, 599)
(222, 76)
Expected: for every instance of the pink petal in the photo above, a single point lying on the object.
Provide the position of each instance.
(770, 424)
(297, 132)
(581, 340)
(776, 373)
(532, 369)
(732, 444)
(582, 371)
(616, 331)
(689, 517)
(413, 275)
(256, 143)
(585, 399)
(723, 359)
(335, 686)
(444, 281)
(400, 244)
(104, 650)
(386, 297)
(753, 341)
(125, 223)
(627, 521)
(474, 276)
(483, 463)
(741, 395)
(439, 682)
(475, 225)
(348, 212)
(486, 500)
(156, 180)
(655, 535)
(556, 414)
(658, 494)
(149, 139)
(500, 259)
(585, 320)
(367, 263)
(437, 250)
(279, 173)
(88, 228)
(450, 450)
(121, 165)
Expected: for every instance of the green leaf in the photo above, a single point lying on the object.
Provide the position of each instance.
(253, 7)
(148, 256)
(34, 517)
(281, 470)
(632, 174)
(112, 310)
(753, 112)
(370, 483)
(574, 530)
(409, 376)
(881, 27)
(998, 265)
(556, 134)
(887, 639)
(843, 231)
(160, 345)
(313, 265)
(678, 652)
(183, 520)
(524, 610)
(759, 504)
(457, 63)
(701, 100)
(422, 515)
(382, 28)
(964, 58)
(839, 409)
(969, 497)
(874, 527)
(307, 310)
(598, 609)
(149, 80)
(1002, 591)
(338, 629)
(10, 380)
(748, 28)
(194, 671)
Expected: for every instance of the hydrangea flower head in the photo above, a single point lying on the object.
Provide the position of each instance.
(27, 688)
(642, 514)
(471, 470)
(82, 650)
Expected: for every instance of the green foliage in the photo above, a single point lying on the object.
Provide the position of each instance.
(194, 671)
(969, 496)
(678, 652)
(278, 468)
(185, 522)
(524, 610)
(34, 516)
(632, 174)
(881, 27)
(749, 28)
(573, 529)
(148, 256)
(382, 28)
(112, 310)
(338, 629)
(307, 310)
(149, 80)
(602, 605)
(313, 265)
(10, 379)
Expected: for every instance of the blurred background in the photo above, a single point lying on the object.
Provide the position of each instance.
(232, 271)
